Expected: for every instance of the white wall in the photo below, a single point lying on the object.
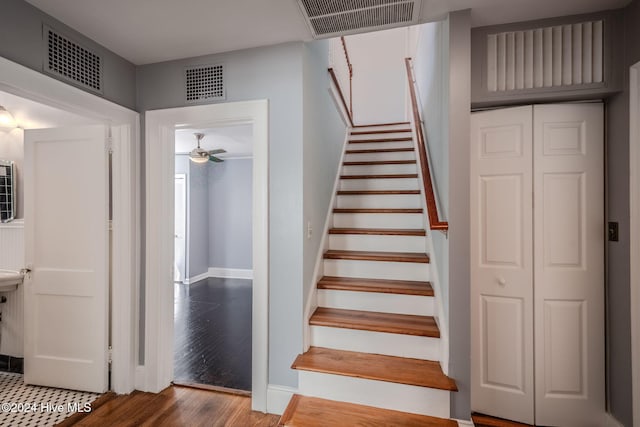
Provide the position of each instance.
(12, 258)
(379, 76)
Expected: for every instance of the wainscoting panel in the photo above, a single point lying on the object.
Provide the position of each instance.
(12, 258)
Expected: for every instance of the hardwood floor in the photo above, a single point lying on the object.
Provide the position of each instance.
(175, 406)
(213, 333)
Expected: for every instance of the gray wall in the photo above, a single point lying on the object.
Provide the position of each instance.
(459, 276)
(480, 97)
(618, 285)
(230, 220)
(324, 134)
(21, 42)
(274, 73)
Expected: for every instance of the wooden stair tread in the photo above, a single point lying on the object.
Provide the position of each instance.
(367, 132)
(384, 176)
(380, 231)
(304, 411)
(382, 124)
(399, 370)
(416, 257)
(374, 192)
(405, 324)
(379, 150)
(403, 287)
(481, 420)
(377, 210)
(370, 140)
(380, 162)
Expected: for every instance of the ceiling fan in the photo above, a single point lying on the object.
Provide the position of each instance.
(200, 155)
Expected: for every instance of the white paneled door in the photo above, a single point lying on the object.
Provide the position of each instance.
(66, 239)
(180, 228)
(569, 264)
(537, 247)
(502, 264)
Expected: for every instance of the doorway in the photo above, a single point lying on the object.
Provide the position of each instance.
(159, 295)
(62, 101)
(212, 329)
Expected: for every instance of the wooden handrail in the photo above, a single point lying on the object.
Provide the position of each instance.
(344, 103)
(350, 67)
(432, 208)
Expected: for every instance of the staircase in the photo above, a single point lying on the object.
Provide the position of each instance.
(375, 343)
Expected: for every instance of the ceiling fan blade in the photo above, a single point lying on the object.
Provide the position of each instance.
(218, 151)
(215, 159)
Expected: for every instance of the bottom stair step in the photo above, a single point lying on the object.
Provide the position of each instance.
(314, 412)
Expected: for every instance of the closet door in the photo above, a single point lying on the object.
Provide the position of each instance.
(502, 264)
(569, 264)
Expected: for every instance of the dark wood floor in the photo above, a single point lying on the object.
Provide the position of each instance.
(176, 406)
(213, 333)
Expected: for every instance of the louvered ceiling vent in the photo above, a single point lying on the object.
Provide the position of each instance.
(204, 83)
(67, 59)
(329, 18)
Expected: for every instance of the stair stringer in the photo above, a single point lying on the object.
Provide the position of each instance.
(434, 277)
(312, 300)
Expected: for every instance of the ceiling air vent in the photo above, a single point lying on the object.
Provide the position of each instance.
(204, 83)
(67, 59)
(328, 18)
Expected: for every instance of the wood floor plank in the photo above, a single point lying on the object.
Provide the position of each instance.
(380, 231)
(399, 370)
(306, 411)
(176, 406)
(404, 287)
(415, 257)
(406, 324)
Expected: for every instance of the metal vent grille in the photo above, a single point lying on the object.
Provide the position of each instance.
(330, 17)
(204, 83)
(67, 59)
(563, 55)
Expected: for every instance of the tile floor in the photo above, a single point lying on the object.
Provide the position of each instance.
(33, 406)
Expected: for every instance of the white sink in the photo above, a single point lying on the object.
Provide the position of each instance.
(9, 280)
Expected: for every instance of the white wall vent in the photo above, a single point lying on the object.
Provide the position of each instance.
(67, 59)
(330, 18)
(204, 83)
(563, 55)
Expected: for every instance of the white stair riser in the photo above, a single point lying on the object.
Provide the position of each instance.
(380, 184)
(402, 126)
(400, 345)
(376, 269)
(379, 169)
(372, 157)
(394, 135)
(399, 201)
(376, 302)
(378, 145)
(379, 243)
(381, 394)
(378, 220)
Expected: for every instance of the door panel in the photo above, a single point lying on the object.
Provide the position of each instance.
(501, 264)
(66, 236)
(569, 264)
(180, 228)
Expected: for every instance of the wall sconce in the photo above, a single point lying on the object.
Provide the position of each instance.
(7, 121)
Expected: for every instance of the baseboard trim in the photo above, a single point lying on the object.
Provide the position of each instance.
(611, 421)
(231, 273)
(463, 423)
(140, 378)
(197, 278)
(278, 398)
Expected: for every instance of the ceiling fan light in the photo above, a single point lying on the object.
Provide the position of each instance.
(198, 155)
(7, 121)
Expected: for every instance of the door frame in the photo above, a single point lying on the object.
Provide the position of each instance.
(185, 177)
(634, 232)
(124, 124)
(160, 170)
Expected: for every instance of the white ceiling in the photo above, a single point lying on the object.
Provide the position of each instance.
(236, 139)
(148, 31)
(33, 115)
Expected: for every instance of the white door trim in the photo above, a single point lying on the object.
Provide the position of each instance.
(634, 230)
(27, 83)
(160, 166)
